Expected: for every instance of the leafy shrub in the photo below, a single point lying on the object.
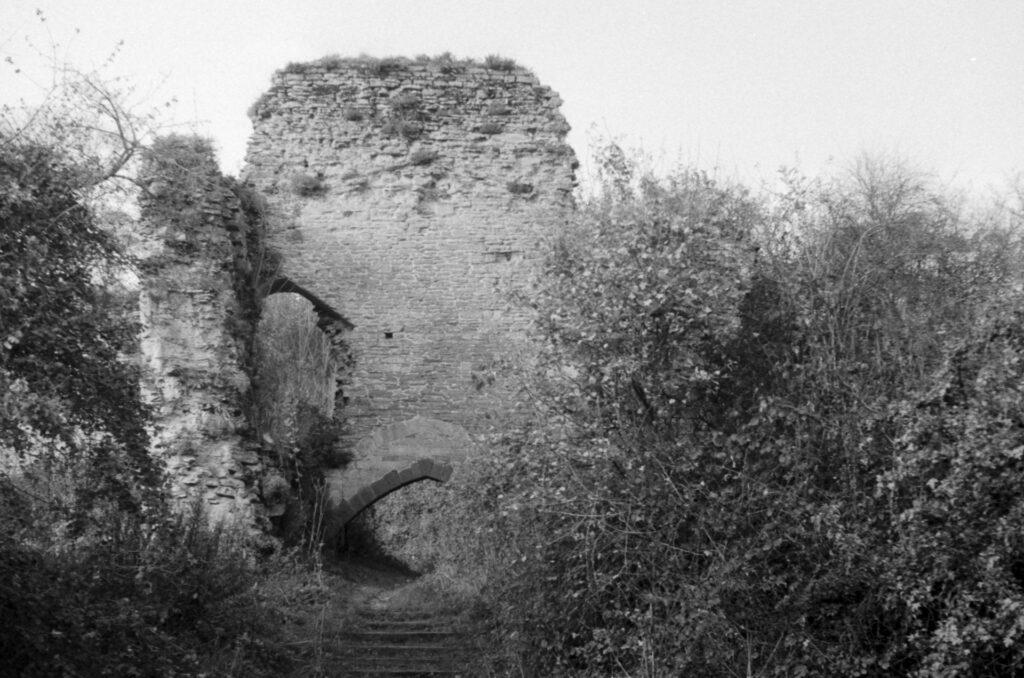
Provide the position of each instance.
(954, 579)
(143, 597)
(499, 63)
(733, 470)
(62, 382)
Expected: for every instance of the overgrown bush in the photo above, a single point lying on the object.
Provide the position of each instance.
(954, 577)
(165, 596)
(66, 397)
(748, 457)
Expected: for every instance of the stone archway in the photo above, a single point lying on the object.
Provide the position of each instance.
(367, 495)
(390, 458)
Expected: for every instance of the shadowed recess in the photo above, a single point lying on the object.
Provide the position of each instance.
(346, 510)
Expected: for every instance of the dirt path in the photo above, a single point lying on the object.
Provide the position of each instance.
(378, 620)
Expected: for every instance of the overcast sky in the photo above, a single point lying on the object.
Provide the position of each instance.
(740, 87)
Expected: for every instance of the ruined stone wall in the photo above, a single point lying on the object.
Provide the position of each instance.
(195, 329)
(408, 195)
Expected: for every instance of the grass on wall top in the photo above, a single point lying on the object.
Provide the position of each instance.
(385, 66)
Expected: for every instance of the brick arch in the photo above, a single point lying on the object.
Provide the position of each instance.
(341, 513)
(324, 312)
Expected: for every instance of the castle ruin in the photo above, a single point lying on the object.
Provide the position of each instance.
(404, 199)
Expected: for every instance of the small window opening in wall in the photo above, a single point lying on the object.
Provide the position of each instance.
(389, 335)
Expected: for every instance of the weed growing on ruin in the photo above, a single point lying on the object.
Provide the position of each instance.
(519, 188)
(383, 67)
(260, 109)
(423, 156)
(496, 62)
(445, 63)
(498, 108)
(489, 128)
(405, 103)
(352, 114)
(308, 185)
(407, 129)
(329, 62)
(448, 64)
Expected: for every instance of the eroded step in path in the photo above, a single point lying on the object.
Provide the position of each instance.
(414, 645)
(406, 629)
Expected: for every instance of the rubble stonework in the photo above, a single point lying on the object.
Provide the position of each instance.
(408, 194)
(195, 330)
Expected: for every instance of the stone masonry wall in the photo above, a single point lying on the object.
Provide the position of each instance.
(409, 195)
(194, 330)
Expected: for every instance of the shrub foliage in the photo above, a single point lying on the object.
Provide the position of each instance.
(774, 437)
(61, 379)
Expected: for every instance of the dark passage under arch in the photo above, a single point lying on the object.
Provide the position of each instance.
(342, 513)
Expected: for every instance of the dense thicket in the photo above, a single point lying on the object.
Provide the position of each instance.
(68, 399)
(776, 437)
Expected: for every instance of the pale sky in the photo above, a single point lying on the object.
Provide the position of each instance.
(738, 87)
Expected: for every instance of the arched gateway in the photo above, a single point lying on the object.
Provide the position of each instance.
(391, 457)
